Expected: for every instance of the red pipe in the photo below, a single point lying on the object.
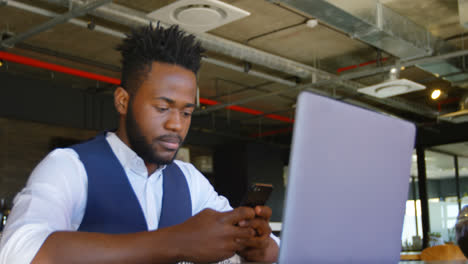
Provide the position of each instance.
(54, 67)
(347, 68)
(88, 75)
(248, 111)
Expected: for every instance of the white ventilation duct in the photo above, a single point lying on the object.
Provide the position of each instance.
(379, 26)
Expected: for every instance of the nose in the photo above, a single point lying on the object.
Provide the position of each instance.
(174, 121)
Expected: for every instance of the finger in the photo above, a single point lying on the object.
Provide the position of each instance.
(237, 244)
(261, 227)
(263, 212)
(251, 254)
(240, 232)
(256, 242)
(238, 214)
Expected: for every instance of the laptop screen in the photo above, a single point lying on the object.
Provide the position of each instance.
(348, 182)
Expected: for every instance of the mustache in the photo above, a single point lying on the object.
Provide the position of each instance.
(170, 138)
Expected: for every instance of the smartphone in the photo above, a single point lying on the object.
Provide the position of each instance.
(257, 194)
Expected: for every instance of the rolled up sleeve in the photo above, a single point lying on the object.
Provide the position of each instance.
(52, 200)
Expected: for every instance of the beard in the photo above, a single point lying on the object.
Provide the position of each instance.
(139, 144)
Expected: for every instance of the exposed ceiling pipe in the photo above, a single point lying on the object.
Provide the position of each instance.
(370, 22)
(52, 23)
(74, 21)
(428, 60)
(250, 72)
(131, 17)
(57, 68)
(249, 111)
(92, 76)
(381, 27)
(355, 66)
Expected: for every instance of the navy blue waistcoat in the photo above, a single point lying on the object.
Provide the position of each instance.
(112, 206)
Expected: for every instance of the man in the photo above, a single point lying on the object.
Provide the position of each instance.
(120, 198)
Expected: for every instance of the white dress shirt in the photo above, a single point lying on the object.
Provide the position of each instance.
(54, 198)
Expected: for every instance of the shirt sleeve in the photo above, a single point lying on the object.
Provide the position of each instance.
(201, 191)
(49, 202)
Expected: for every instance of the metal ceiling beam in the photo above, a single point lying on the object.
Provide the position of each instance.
(77, 22)
(377, 25)
(250, 72)
(372, 23)
(8, 43)
(415, 62)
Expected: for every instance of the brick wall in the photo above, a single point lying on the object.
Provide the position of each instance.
(22, 145)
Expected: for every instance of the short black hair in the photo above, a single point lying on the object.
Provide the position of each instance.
(148, 44)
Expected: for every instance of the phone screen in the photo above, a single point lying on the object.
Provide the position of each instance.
(257, 194)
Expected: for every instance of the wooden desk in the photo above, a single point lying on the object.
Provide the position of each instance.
(410, 255)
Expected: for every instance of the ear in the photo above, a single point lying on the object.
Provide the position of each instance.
(121, 98)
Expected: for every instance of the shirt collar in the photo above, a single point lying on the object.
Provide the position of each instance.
(127, 157)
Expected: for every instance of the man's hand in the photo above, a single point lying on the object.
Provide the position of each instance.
(212, 236)
(209, 236)
(261, 247)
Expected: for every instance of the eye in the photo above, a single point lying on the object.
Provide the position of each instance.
(187, 114)
(161, 109)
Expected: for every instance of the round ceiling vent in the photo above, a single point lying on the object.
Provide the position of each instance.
(389, 90)
(199, 15)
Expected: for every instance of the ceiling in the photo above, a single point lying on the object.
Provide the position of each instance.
(282, 54)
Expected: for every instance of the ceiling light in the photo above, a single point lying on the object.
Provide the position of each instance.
(393, 70)
(1, 63)
(436, 94)
(402, 68)
(312, 23)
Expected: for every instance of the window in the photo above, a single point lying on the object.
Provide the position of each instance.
(442, 195)
(411, 238)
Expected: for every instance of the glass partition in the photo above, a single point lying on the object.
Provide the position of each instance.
(442, 195)
(411, 238)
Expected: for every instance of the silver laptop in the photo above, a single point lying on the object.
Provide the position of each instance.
(348, 184)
